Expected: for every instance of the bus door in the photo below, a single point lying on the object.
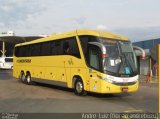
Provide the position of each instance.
(62, 73)
(67, 62)
(95, 64)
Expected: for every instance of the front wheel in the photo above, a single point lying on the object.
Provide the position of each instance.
(79, 88)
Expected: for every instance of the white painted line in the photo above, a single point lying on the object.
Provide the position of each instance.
(134, 111)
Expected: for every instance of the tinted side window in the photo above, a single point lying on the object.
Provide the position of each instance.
(27, 51)
(35, 50)
(45, 49)
(67, 46)
(70, 47)
(84, 43)
(21, 52)
(74, 47)
(58, 47)
(52, 48)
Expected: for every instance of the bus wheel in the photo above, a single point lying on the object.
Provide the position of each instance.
(28, 79)
(79, 88)
(22, 77)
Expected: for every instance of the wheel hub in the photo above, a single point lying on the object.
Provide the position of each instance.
(79, 87)
(28, 79)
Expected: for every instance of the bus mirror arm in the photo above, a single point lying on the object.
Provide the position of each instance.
(100, 45)
(143, 56)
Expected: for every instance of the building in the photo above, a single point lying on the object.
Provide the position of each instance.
(8, 41)
(151, 63)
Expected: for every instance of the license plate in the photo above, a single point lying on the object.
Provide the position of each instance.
(124, 89)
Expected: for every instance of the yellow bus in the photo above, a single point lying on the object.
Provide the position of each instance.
(85, 60)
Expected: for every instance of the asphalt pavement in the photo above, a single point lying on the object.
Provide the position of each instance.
(39, 98)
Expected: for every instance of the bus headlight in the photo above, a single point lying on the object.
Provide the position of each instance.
(108, 80)
(135, 81)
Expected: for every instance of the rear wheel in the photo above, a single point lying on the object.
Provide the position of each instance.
(22, 77)
(28, 79)
(79, 88)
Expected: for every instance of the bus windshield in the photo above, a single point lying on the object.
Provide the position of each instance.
(120, 58)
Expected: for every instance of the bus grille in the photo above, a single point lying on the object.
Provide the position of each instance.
(124, 84)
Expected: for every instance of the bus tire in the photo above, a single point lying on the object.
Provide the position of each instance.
(22, 77)
(79, 88)
(28, 79)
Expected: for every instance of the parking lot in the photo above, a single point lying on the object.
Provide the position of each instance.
(18, 97)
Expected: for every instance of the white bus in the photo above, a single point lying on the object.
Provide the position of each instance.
(6, 62)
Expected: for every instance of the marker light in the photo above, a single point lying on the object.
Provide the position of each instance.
(104, 55)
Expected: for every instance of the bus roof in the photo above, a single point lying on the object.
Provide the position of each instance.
(79, 33)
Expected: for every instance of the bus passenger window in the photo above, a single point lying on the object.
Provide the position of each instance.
(52, 48)
(66, 48)
(70, 47)
(45, 49)
(58, 47)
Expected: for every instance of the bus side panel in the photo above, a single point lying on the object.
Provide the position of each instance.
(73, 67)
(80, 72)
(94, 81)
(48, 67)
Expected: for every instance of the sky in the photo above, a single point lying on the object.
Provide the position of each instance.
(136, 19)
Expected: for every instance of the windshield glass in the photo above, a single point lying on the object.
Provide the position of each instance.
(120, 58)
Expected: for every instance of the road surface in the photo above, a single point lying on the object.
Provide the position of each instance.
(18, 97)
